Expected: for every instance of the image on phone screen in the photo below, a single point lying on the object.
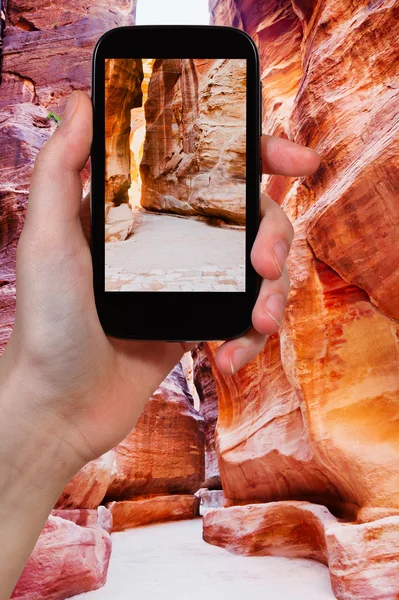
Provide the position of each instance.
(175, 175)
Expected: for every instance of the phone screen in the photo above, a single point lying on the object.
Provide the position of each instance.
(175, 175)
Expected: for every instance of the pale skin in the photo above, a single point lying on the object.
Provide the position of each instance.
(69, 393)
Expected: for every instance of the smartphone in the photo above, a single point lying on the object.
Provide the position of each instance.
(175, 181)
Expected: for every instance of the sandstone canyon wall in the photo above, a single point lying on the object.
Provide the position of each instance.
(123, 77)
(315, 417)
(194, 151)
(47, 48)
(122, 93)
(207, 393)
(161, 463)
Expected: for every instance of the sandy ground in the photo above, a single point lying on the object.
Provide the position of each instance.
(170, 561)
(170, 253)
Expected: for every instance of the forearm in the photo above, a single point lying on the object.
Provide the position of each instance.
(35, 467)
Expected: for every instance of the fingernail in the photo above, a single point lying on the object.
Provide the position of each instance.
(70, 108)
(237, 359)
(274, 306)
(280, 253)
(311, 151)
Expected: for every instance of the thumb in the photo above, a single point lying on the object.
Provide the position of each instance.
(55, 193)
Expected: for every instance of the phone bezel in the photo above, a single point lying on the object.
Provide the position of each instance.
(174, 316)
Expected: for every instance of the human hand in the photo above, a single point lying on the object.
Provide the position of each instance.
(94, 386)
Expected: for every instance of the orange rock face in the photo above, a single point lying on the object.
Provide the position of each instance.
(87, 489)
(143, 511)
(70, 557)
(123, 79)
(164, 454)
(194, 152)
(207, 393)
(294, 529)
(362, 557)
(316, 415)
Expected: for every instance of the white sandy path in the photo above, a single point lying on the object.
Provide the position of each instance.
(170, 561)
(169, 250)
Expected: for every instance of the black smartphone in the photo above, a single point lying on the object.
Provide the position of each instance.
(175, 181)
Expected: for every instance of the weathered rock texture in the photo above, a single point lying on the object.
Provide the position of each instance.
(123, 77)
(207, 393)
(87, 517)
(46, 54)
(164, 454)
(294, 529)
(47, 50)
(194, 151)
(70, 557)
(316, 415)
(87, 489)
(137, 135)
(143, 511)
(362, 557)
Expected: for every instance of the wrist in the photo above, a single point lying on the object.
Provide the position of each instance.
(35, 450)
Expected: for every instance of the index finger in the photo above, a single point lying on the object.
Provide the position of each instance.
(283, 157)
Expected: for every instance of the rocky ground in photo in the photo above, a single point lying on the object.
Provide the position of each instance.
(172, 253)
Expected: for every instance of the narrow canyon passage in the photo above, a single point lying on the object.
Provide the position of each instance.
(175, 177)
(172, 562)
(168, 252)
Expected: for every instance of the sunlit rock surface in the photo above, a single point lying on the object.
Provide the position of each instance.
(208, 407)
(316, 415)
(194, 152)
(294, 529)
(164, 454)
(123, 77)
(362, 558)
(87, 489)
(143, 511)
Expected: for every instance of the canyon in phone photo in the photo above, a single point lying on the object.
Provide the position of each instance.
(175, 138)
(280, 482)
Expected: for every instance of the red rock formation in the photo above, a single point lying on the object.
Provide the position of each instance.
(207, 393)
(164, 454)
(87, 489)
(349, 116)
(362, 558)
(194, 152)
(46, 53)
(23, 130)
(316, 414)
(263, 449)
(50, 44)
(70, 557)
(143, 511)
(293, 529)
(86, 517)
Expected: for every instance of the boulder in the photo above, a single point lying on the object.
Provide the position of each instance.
(156, 509)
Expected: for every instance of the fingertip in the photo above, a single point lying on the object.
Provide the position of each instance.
(264, 323)
(263, 262)
(284, 157)
(69, 146)
(312, 160)
(223, 360)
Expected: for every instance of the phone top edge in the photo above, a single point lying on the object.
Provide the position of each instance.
(214, 28)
